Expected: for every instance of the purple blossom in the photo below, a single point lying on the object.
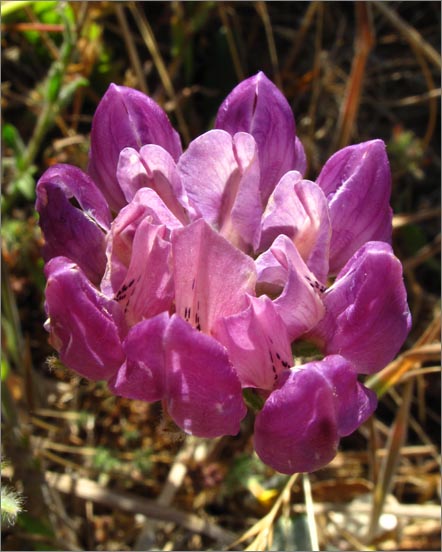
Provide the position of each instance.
(186, 277)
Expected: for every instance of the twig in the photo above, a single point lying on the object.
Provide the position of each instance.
(90, 490)
(425, 214)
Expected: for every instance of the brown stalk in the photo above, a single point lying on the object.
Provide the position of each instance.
(364, 42)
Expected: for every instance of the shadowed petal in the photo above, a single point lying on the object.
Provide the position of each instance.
(257, 106)
(211, 276)
(85, 327)
(367, 316)
(357, 183)
(257, 342)
(125, 118)
(203, 391)
(299, 427)
(142, 376)
(298, 209)
(69, 231)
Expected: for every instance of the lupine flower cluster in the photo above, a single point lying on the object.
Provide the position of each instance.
(189, 276)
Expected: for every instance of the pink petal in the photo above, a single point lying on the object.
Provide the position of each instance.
(357, 183)
(146, 205)
(257, 342)
(155, 168)
(221, 175)
(298, 209)
(147, 288)
(367, 316)
(203, 391)
(300, 301)
(211, 276)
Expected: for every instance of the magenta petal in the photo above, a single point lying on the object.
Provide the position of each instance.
(298, 209)
(357, 183)
(299, 427)
(85, 327)
(257, 106)
(203, 391)
(147, 288)
(300, 302)
(153, 167)
(221, 175)
(257, 342)
(69, 231)
(125, 118)
(367, 316)
(211, 276)
(142, 376)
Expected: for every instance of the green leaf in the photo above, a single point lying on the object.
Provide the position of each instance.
(12, 139)
(34, 526)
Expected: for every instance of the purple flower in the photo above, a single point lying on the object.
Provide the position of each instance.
(357, 183)
(257, 107)
(187, 277)
(311, 408)
(125, 118)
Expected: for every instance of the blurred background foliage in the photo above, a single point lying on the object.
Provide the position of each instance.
(92, 471)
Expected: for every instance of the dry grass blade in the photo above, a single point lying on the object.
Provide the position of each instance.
(263, 527)
(261, 8)
(231, 41)
(363, 45)
(131, 50)
(395, 441)
(410, 33)
(424, 350)
(316, 85)
(425, 214)
(151, 43)
(424, 253)
(300, 36)
(310, 509)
